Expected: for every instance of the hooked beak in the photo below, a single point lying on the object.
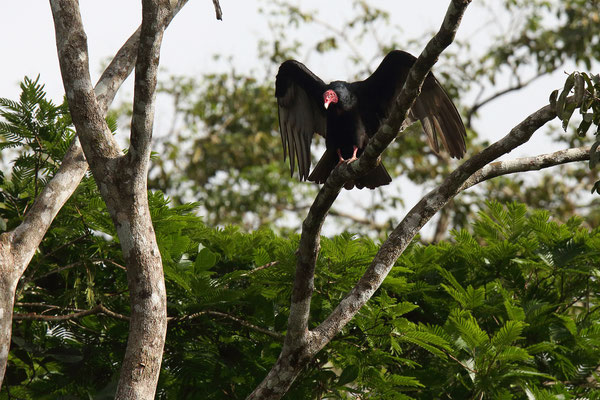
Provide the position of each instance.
(329, 97)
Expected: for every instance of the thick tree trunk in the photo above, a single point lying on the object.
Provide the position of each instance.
(121, 179)
(8, 286)
(148, 319)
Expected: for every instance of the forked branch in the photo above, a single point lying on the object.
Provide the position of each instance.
(300, 344)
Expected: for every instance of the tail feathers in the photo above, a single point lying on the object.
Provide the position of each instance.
(324, 167)
(377, 177)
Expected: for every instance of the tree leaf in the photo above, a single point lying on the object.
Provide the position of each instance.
(349, 374)
(205, 260)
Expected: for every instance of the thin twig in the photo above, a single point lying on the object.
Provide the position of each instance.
(41, 317)
(240, 321)
(360, 220)
(267, 265)
(520, 85)
(218, 10)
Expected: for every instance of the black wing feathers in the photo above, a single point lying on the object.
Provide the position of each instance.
(299, 95)
(433, 107)
(440, 118)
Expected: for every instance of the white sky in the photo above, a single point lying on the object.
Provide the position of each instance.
(195, 35)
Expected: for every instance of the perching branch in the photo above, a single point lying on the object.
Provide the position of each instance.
(417, 217)
(311, 227)
(301, 344)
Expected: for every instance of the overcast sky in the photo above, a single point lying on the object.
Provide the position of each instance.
(28, 46)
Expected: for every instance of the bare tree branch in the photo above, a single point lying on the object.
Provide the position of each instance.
(218, 11)
(524, 164)
(276, 335)
(154, 20)
(56, 318)
(354, 218)
(101, 309)
(267, 265)
(480, 103)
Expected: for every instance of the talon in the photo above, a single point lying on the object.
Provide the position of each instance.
(353, 158)
(339, 152)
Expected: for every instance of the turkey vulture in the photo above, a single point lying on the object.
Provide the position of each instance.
(348, 114)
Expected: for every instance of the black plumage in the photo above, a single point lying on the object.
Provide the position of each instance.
(348, 114)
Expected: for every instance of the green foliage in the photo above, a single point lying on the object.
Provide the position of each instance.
(586, 97)
(36, 133)
(508, 309)
(572, 35)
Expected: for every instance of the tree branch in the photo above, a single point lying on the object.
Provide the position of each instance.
(276, 335)
(480, 103)
(524, 164)
(218, 11)
(417, 217)
(154, 19)
(300, 344)
(56, 318)
(355, 218)
(101, 309)
(71, 42)
(311, 227)
(267, 265)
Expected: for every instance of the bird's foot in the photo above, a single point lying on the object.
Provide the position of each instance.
(349, 160)
(341, 159)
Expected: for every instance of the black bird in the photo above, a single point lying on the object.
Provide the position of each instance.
(348, 114)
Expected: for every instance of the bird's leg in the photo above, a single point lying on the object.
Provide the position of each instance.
(354, 158)
(339, 152)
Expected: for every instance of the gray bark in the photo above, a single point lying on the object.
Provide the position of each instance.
(17, 247)
(121, 179)
(301, 344)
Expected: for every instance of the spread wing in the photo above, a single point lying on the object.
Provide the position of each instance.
(299, 95)
(438, 115)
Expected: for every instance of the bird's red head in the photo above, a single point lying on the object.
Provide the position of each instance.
(329, 97)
